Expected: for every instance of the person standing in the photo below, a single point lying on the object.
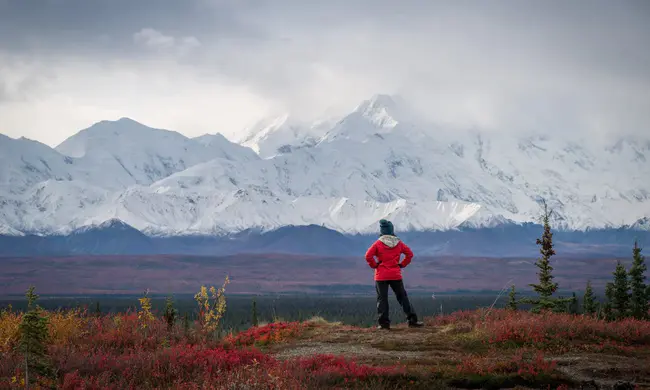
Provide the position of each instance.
(385, 257)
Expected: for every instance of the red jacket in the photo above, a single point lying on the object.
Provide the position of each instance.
(388, 250)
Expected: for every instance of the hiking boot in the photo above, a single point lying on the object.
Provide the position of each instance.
(417, 324)
(383, 327)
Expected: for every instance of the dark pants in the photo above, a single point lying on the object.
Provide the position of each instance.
(402, 299)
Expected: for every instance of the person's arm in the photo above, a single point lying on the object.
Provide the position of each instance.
(408, 253)
(370, 256)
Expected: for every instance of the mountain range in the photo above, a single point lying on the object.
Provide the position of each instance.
(333, 178)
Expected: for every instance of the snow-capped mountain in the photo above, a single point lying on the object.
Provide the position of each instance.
(282, 134)
(132, 153)
(379, 161)
(25, 163)
(379, 115)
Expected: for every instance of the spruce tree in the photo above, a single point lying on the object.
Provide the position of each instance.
(33, 339)
(588, 301)
(573, 304)
(608, 311)
(546, 287)
(639, 304)
(512, 299)
(170, 314)
(618, 293)
(254, 313)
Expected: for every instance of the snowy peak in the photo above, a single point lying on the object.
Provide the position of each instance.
(378, 162)
(633, 149)
(383, 111)
(114, 136)
(377, 116)
(282, 134)
(129, 153)
(211, 139)
(264, 127)
(218, 146)
(11, 147)
(24, 163)
(259, 135)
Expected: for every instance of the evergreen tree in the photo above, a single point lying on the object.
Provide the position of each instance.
(546, 287)
(170, 314)
(639, 304)
(618, 293)
(572, 306)
(33, 338)
(98, 311)
(254, 313)
(588, 301)
(512, 298)
(608, 311)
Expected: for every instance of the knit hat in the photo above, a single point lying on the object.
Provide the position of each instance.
(386, 228)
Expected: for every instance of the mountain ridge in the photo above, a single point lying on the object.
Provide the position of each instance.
(505, 241)
(379, 161)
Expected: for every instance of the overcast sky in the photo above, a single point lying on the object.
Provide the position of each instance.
(207, 66)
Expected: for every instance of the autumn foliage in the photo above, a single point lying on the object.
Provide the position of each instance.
(524, 363)
(268, 334)
(552, 332)
(117, 352)
(144, 350)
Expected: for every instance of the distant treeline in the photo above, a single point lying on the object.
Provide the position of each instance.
(357, 311)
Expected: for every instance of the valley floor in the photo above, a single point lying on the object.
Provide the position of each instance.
(282, 273)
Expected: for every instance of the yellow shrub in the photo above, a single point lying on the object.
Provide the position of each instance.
(211, 308)
(9, 333)
(144, 314)
(66, 326)
(117, 321)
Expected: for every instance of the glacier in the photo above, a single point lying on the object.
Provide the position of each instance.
(379, 161)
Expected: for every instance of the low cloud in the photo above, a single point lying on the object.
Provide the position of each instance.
(217, 65)
(158, 92)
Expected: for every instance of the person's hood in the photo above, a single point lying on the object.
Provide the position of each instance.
(389, 241)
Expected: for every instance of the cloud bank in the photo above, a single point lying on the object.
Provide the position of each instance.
(205, 66)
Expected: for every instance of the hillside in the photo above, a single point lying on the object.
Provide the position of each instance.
(114, 237)
(480, 349)
(486, 349)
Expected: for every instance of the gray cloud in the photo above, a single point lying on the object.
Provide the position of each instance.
(218, 65)
(155, 40)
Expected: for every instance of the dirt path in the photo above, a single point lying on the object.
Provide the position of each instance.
(399, 345)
